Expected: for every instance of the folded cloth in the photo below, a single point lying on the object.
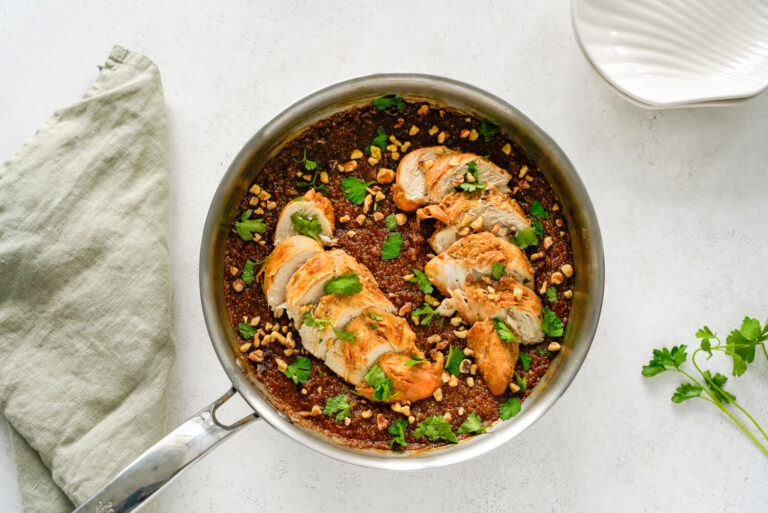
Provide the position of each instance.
(85, 300)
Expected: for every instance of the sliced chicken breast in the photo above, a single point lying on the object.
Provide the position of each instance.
(518, 306)
(409, 383)
(495, 358)
(339, 310)
(377, 333)
(305, 216)
(489, 211)
(306, 285)
(473, 257)
(282, 263)
(410, 191)
(449, 171)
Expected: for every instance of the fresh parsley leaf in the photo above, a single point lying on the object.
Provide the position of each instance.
(422, 281)
(375, 316)
(389, 100)
(537, 210)
(453, 362)
(706, 335)
(545, 352)
(372, 326)
(509, 408)
(522, 382)
(391, 222)
(686, 391)
(525, 360)
(472, 424)
(538, 228)
(338, 404)
(354, 189)
(414, 361)
(551, 294)
(551, 325)
(525, 238)
(348, 285)
(503, 331)
(391, 247)
(498, 270)
(397, 429)
(298, 371)
(380, 140)
(346, 336)
(307, 225)
(715, 384)
(247, 274)
(488, 130)
(427, 311)
(247, 227)
(474, 184)
(313, 322)
(246, 330)
(435, 428)
(665, 359)
(309, 165)
(382, 386)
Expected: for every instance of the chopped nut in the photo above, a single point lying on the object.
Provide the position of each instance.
(477, 223)
(473, 135)
(529, 178)
(445, 377)
(517, 293)
(456, 321)
(307, 177)
(464, 366)
(405, 309)
(414, 130)
(464, 231)
(555, 207)
(453, 382)
(400, 219)
(262, 243)
(461, 410)
(351, 233)
(268, 326)
(514, 388)
(234, 271)
(258, 211)
(473, 369)
(367, 203)
(470, 381)
(405, 410)
(284, 329)
(356, 154)
(257, 356)
(271, 205)
(523, 171)
(253, 201)
(392, 147)
(319, 390)
(547, 242)
(347, 421)
(255, 321)
(408, 277)
(344, 219)
(543, 289)
(538, 255)
(316, 410)
(411, 419)
(405, 146)
(373, 161)
(366, 414)
(385, 175)
(380, 196)
(423, 109)
(360, 219)
(559, 223)
(507, 149)
(433, 130)
(557, 278)
(554, 347)
(438, 395)
(442, 137)
(467, 351)
(324, 177)
(567, 270)
(381, 422)
(427, 165)
(378, 216)
(464, 133)
(433, 339)
(460, 333)
(568, 294)
(238, 285)
(264, 195)
(281, 365)
(245, 347)
(288, 351)
(340, 167)
(376, 152)
(350, 166)
(448, 417)
(454, 161)
(255, 189)
(304, 391)
(465, 220)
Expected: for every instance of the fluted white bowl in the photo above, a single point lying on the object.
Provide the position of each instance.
(675, 53)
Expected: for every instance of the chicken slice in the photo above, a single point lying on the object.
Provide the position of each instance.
(306, 285)
(410, 191)
(473, 257)
(489, 211)
(313, 211)
(408, 383)
(339, 310)
(442, 176)
(495, 358)
(282, 263)
(518, 306)
(378, 332)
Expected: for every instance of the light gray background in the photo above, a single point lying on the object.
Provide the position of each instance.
(680, 194)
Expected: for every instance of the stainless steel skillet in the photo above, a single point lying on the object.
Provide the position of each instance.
(194, 438)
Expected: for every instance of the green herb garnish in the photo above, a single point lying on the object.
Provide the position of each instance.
(391, 247)
(525, 360)
(420, 279)
(298, 371)
(348, 285)
(382, 386)
(453, 362)
(427, 311)
(308, 226)
(247, 227)
(375, 316)
(398, 430)
(389, 100)
(537, 210)
(503, 331)
(354, 189)
(472, 424)
(509, 408)
(551, 325)
(551, 294)
(313, 322)
(522, 382)
(475, 184)
(309, 165)
(391, 222)
(338, 404)
(414, 361)
(498, 270)
(525, 238)
(488, 130)
(435, 427)
(247, 274)
(380, 140)
(246, 330)
(538, 228)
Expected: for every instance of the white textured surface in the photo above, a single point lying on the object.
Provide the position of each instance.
(680, 196)
(682, 52)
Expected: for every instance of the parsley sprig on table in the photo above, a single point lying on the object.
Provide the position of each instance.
(741, 345)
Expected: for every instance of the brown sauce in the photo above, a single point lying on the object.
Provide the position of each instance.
(330, 142)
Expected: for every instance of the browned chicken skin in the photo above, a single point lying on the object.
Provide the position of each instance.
(495, 358)
(409, 383)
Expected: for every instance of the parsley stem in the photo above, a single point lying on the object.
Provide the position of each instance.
(741, 426)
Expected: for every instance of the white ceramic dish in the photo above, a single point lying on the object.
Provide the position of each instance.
(676, 53)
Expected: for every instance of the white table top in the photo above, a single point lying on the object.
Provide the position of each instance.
(681, 198)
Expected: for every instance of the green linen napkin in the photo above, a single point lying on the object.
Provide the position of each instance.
(85, 301)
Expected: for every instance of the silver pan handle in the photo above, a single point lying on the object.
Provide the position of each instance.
(165, 460)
